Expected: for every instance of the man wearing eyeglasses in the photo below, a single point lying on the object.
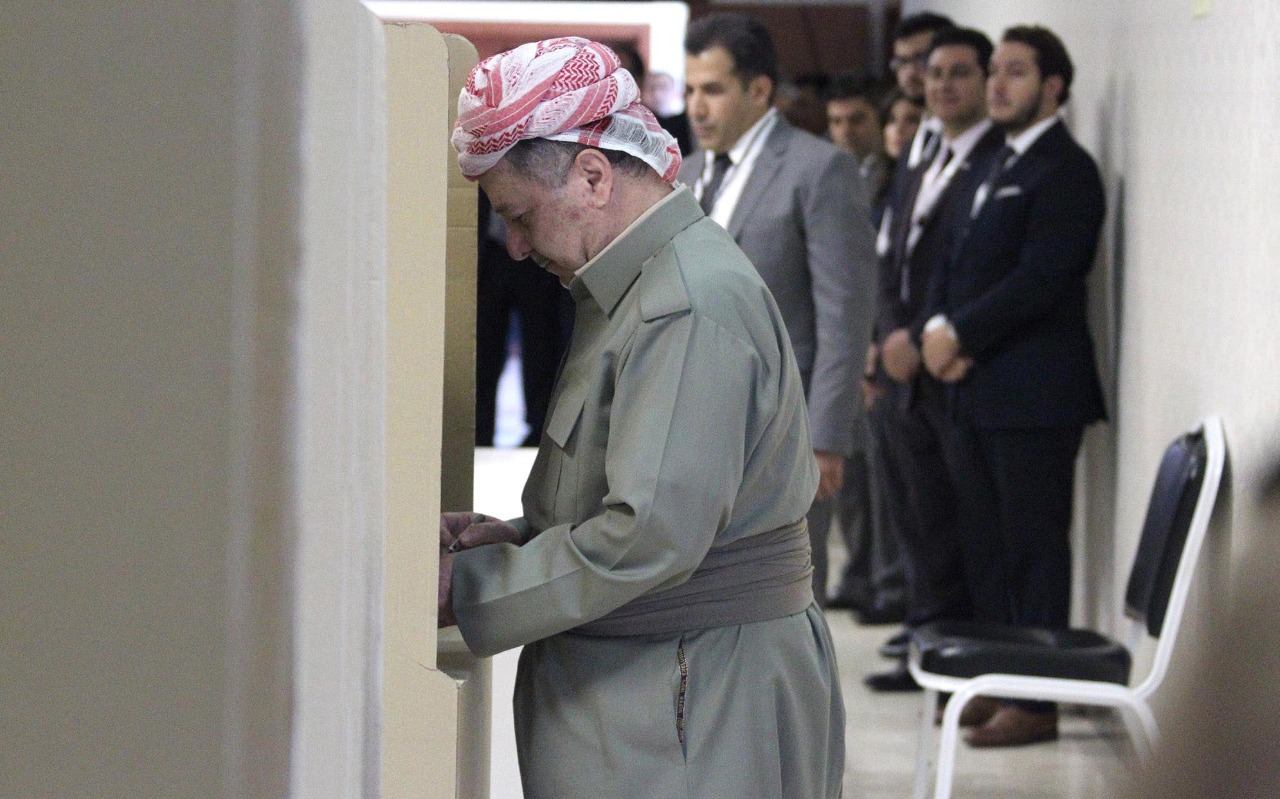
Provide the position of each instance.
(912, 38)
(913, 427)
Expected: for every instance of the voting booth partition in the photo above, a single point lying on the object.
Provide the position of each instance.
(236, 273)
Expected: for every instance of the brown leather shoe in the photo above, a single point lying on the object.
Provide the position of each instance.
(977, 712)
(1011, 725)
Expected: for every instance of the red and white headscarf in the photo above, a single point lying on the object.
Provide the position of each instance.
(566, 89)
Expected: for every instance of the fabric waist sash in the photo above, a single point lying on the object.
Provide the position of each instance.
(757, 578)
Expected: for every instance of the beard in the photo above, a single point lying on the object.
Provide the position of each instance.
(1024, 115)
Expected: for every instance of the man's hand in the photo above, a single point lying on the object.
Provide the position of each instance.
(463, 530)
(940, 348)
(957, 370)
(901, 358)
(444, 596)
(830, 474)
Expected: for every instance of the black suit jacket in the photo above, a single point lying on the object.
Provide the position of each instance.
(1014, 288)
(895, 308)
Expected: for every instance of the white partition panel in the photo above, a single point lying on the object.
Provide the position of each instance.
(191, 502)
(338, 332)
(433, 706)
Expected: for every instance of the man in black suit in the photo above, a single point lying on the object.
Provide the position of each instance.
(1010, 335)
(912, 427)
(881, 599)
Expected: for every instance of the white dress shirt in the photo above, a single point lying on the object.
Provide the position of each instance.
(929, 126)
(742, 157)
(1019, 144)
(938, 177)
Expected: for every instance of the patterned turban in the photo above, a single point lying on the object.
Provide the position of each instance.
(566, 89)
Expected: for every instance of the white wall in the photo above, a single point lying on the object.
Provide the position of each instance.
(338, 415)
(1183, 112)
(190, 348)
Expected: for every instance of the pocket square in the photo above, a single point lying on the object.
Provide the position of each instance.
(1008, 191)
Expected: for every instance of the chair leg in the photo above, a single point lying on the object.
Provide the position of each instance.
(1141, 725)
(948, 742)
(924, 754)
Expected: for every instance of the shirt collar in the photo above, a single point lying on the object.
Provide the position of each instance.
(1023, 141)
(607, 277)
(962, 144)
(756, 133)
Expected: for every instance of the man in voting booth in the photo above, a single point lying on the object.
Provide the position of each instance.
(659, 580)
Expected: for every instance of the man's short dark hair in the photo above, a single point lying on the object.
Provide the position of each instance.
(546, 162)
(745, 38)
(966, 37)
(912, 24)
(1051, 53)
(857, 85)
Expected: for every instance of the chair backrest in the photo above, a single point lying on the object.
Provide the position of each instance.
(1173, 534)
(1179, 498)
(1164, 531)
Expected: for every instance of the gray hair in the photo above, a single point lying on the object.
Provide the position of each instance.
(547, 162)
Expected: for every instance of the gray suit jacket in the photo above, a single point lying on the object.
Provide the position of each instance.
(803, 221)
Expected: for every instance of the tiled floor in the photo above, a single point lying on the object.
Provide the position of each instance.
(1089, 761)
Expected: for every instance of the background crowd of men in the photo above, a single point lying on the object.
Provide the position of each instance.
(980, 375)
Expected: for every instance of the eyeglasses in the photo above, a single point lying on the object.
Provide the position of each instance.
(898, 62)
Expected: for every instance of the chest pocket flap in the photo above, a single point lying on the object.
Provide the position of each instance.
(565, 416)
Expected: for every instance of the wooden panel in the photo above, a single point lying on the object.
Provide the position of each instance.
(419, 702)
(808, 38)
(460, 299)
(473, 674)
(490, 38)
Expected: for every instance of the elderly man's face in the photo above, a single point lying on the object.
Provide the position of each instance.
(543, 223)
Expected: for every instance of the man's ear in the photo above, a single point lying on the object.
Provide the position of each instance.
(760, 90)
(594, 169)
(1053, 86)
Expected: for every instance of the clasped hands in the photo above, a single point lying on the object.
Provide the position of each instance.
(461, 530)
(942, 356)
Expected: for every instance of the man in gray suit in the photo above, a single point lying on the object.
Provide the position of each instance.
(797, 206)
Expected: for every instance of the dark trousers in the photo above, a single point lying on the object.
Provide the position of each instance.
(540, 303)
(914, 438)
(873, 571)
(1015, 491)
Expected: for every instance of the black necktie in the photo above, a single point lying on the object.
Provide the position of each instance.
(903, 212)
(997, 166)
(929, 146)
(718, 167)
(987, 185)
(946, 158)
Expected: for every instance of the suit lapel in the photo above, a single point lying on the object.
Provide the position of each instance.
(1049, 142)
(768, 162)
(958, 188)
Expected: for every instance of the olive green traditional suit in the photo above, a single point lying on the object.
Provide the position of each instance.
(676, 452)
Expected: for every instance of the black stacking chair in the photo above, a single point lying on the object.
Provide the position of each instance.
(968, 659)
